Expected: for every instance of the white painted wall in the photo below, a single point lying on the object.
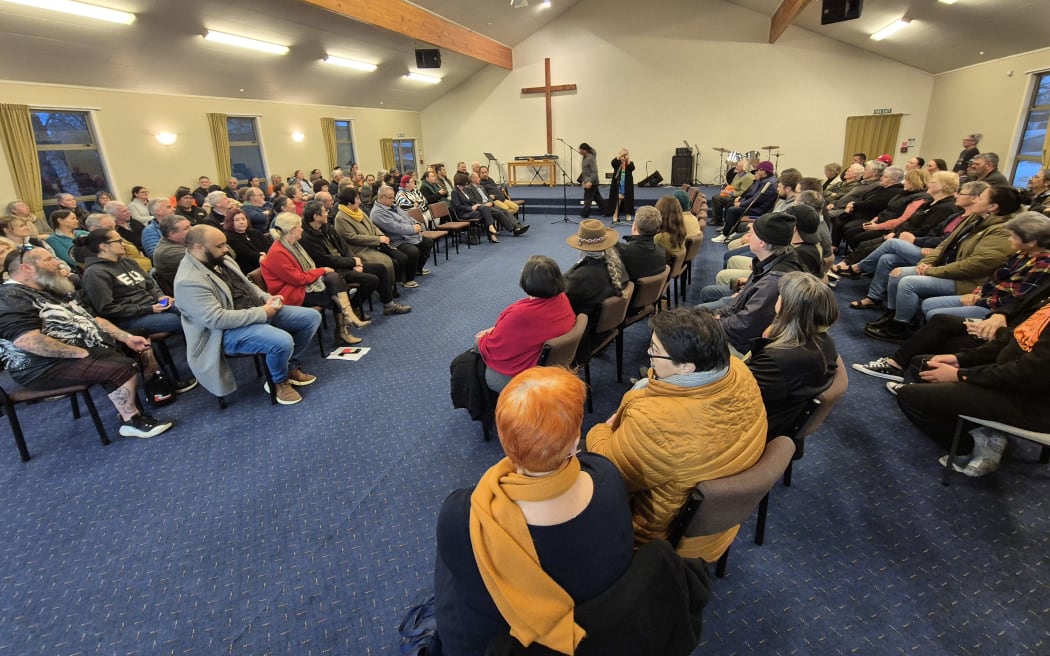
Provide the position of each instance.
(652, 74)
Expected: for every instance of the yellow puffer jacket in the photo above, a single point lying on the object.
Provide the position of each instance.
(665, 439)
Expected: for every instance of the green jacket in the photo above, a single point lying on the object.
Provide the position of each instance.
(985, 250)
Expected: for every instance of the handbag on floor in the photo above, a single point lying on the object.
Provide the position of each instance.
(418, 630)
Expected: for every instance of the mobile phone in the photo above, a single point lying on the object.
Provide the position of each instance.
(163, 302)
(349, 351)
(971, 320)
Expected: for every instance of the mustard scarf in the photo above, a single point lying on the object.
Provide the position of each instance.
(354, 213)
(536, 608)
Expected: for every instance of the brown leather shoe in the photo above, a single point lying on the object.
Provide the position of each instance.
(300, 378)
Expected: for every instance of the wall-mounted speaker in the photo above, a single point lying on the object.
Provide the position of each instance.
(428, 58)
(836, 11)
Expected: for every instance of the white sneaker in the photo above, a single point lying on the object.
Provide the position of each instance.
(720, 239)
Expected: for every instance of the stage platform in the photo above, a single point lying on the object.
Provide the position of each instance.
(548, 200)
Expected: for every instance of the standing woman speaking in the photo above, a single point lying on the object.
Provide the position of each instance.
(621, 194)
(589, 180)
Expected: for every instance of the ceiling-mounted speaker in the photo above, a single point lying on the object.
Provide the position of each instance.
(836, 11)
(428, 58)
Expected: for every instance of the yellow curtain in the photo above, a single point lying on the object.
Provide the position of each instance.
(1046, 150)
(386, 147)
(328, 136)
(220, 139)
(873, 135)
(16, 133)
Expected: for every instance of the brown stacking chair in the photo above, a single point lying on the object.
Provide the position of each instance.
(12, 394)
(717, 505)
(813, 417)
(440, 211)
(559, 351)
(644, 303)
(606, 328)
(677, 269)
(692, 248)
(436, 235)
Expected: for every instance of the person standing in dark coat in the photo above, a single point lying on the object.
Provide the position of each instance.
(621, 193)
(969, 151)
(589, 180)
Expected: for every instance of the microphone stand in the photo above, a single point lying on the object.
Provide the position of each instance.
(564, 195)
(572, 180)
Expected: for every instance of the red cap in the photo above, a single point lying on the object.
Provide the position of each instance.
(885, 159)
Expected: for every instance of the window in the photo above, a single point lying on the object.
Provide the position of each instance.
(1030, 153)
(70, 160)
(246, 157)
(344, 143)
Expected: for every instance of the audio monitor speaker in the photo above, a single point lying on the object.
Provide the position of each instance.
(652, 180)
(428, 58)
(836, 11)
(681, 170)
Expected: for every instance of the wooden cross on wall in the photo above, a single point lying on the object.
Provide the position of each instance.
(547, 89)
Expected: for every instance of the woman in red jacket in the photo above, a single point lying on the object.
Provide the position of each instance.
(289, 272)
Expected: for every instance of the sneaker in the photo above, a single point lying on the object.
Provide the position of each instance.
(629, 219)
(881, 368)
(893, 387)
(143, 425)
(396, 308)
(286, 394)
(183, 386)
(720, 239)
(425, 272)
(300, 378)
(411, 284)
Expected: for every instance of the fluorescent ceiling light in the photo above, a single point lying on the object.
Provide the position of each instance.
(243, 42)
(948, 2)
(890, 29)
(546, 4)
(518, 4)
(349, 63)
(419, 77)
(80, 9)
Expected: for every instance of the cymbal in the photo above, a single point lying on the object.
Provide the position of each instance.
(721, 150)
(770, 147)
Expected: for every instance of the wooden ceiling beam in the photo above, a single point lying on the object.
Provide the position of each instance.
(416, 23)
(786, 14)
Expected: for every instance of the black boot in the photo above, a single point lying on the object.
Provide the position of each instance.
(894, 331)
(883, 321)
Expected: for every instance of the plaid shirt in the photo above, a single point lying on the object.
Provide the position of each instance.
(1020, 275)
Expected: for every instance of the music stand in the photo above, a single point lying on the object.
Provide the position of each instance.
(489, 157)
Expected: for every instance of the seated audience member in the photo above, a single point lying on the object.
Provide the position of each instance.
(170, 251)
(756, 201)
(868, 203)
(63, 231)
(19, 231)
(277, 191)
(327, 249)
(130, 229)
(641, 256)
(851, 178)
(219, 203)
(599, 273)
(1029, 235)
(275, 180)
(513, 344)
(408, 198)
(204, 187)
(832, 177)
(101, 198)
(366, 193)
(1039, 186)
(787, 193)
(247, 244)
(806, 239)
(138, 206)
(870, 178)
(119, 290)
(107, 222)
(1003, 380)
(694, 227)
(232, 188)
(291, 274)
(38, 225)
(223, 312)
(697, 416)
(432, 190)
(298, 198)
(985, 167)
(740, 184)
(746, 314)
(48, 341)
(282, 203)
(961, 262)
(186, 205)
(67, 201)
(372, 247)
(257, 209)
(509, 550)
(795, 359)
(900, 208)
(498, 193)
(299, 180)
(811, 240)
(327, 204)
(159, 208)
(915, 164)
(405, 234)
(936, 166)
(671, 236)
(503, 216)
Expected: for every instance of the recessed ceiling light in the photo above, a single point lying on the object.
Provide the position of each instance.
(298, 136)
(80, 9)
(948, 2)
(245, 42)
(419, 77)
(890, 29)
(350, 63)
(166, 138)
(546, 4)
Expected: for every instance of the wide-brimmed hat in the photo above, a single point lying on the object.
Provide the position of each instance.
(592, 235)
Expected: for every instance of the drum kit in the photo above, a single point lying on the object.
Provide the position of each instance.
(733, 157)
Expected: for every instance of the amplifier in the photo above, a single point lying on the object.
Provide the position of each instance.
(683, 151)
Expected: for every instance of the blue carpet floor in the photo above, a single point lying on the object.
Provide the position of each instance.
(308, 530)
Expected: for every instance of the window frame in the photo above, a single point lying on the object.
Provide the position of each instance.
(258, 143)
(95, 145)
(352, 142)
(1039, 79)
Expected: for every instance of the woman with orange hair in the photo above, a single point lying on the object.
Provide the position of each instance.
(509, 551)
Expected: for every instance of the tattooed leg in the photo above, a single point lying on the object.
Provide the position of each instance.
(123, 399)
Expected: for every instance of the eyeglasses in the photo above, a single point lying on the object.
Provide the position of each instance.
(653, 356)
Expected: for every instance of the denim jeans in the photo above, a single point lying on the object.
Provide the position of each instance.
(168, 321)
(887, 257)
(283, 339)
(906, 292)
(935, 305)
